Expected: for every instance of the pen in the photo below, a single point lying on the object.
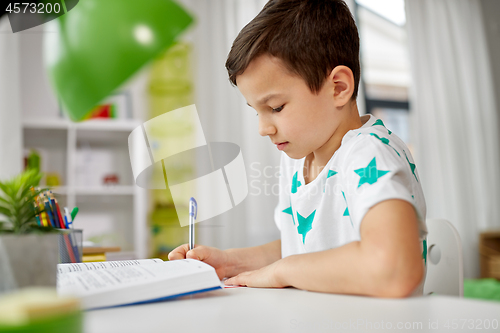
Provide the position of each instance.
(67, 218)
(53, 207)
(49, 211)
(57, 211)
(73, 213)
(43, 213)
(193, 212)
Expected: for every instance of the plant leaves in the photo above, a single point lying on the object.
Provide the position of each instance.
(17, 202)
(5, 211)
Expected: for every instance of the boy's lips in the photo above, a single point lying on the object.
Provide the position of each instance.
(282, 145)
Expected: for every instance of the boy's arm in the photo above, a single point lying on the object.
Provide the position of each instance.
(230, 262)
(386, 262)
(251, 258)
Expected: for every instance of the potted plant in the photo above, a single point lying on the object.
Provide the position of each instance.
(29, 252)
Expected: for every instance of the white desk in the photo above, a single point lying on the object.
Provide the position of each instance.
(291, 310)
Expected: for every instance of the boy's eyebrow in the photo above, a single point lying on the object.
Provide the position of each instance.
(265, 99)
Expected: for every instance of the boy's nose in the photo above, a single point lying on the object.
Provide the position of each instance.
(266, 128)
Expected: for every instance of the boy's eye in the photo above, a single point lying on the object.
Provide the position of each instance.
(278, 109)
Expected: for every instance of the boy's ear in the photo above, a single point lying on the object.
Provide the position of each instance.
(342, 81)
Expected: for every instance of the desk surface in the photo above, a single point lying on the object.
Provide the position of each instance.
(291, 310)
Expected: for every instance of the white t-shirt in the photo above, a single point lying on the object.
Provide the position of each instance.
(371, 165)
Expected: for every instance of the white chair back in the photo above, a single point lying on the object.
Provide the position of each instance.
(445, 272)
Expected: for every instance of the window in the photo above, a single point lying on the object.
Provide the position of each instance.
(385, 65)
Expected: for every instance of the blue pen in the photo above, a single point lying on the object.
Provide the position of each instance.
(49, 211)
(65, 221)
(54, 212)
(193, 212)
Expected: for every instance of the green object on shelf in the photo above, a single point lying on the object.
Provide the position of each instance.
(488, 289)
(98, 45)
(59, 324)
(52, 179)
(34, 160)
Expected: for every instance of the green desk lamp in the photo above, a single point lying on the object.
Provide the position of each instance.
(94, 48)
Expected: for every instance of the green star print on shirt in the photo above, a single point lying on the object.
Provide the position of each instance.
(424, 252)
(412, 166)
(370, 174)
(331, 173)
(385, 141)
(295, 183)
(380, 122)
(346, 211)
(289, 211)
(305, 224)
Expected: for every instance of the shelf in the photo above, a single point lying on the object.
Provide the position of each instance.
(101, 190)
(60, 190)
(125, 125)
(107, 125)
(46, 123)
(111, 190)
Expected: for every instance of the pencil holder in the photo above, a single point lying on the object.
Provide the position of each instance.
(28, 261)
(70, 245)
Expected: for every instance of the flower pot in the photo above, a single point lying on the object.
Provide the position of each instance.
(28, 260)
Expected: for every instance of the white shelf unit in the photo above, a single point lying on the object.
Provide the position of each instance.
(115, 215)
(120, 209)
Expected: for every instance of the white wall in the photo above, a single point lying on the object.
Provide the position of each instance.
(10, 103)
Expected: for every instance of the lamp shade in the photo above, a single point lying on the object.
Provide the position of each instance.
(93, 49)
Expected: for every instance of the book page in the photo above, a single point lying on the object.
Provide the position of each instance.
(93, 266)
(95, 281)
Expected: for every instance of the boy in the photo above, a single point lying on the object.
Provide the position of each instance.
(351, 211)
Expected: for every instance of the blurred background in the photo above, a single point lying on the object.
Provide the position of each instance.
(429, 71)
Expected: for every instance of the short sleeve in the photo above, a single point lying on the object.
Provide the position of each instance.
(376, 171)
(284, 193)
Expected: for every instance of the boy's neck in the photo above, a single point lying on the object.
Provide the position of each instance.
(316, 161)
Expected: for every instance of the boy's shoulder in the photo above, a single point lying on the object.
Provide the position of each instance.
(372, 127)
(358, 146)
(372, 135)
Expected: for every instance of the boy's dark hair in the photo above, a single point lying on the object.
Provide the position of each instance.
(311, 37)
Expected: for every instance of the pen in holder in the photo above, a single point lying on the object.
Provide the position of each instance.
(193, 212)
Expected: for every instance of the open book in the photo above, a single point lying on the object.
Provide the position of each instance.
(114, 283)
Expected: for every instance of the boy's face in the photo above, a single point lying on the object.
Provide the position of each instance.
(298, 121)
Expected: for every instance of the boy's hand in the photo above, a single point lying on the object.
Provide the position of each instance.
(216, 258)
(266, 277)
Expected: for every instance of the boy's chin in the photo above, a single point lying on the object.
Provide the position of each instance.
(294, 156)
